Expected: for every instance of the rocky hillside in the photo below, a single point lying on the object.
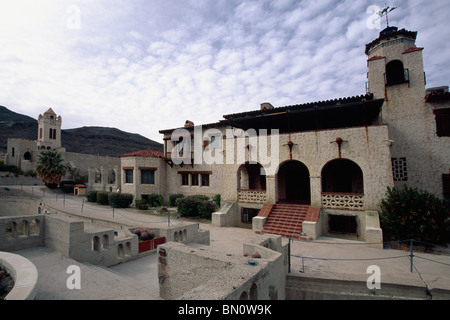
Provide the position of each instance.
(103, 141)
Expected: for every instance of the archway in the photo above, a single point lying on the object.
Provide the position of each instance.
(294, 183)
(342, 176)
(27, 156)
(395, 73)
(251, 177)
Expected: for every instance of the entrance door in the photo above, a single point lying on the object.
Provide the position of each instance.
(294, 183)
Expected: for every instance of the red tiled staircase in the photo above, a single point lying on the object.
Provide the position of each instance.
(287, 219)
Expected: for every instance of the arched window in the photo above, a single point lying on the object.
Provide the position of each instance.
(27, 156)
(395, 73)
(96, 244)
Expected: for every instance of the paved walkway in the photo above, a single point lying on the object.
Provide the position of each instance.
(324, 258)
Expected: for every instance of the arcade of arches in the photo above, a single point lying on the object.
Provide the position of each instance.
(293, 182)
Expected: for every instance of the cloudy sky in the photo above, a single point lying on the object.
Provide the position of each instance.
(146, 65)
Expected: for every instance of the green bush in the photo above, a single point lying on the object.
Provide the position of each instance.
(195, 206)
(120, 200)
(102, 198)
(173, 198)
(141, 204)
(216, 200)
(91, 196)
(155, 200)
(206, 208)
(10, 168)
(410, 213)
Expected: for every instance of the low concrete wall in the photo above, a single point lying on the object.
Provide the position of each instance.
(21, 232)
(18, 206)
(98, 246)
(188, 273)
(304, 287)
(25, 276)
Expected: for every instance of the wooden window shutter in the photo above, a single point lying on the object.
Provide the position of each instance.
(442, 122)
(446, 185)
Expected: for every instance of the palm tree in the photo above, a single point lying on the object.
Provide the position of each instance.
(50, 168)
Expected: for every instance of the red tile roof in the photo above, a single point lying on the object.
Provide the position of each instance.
(412, 49)
(376, 58)
(437, 96)
(147, 153)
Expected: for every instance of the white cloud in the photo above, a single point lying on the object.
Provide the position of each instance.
(144, 66)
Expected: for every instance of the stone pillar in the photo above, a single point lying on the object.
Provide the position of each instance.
(91, 178)
(316, 191)
(271, 189)
(118, 177)
(104, 177)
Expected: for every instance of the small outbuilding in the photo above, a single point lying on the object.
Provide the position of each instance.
(79, 190)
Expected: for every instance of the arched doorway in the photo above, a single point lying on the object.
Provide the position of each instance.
(294, 183)
(342, 176)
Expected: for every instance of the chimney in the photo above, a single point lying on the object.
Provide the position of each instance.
(266, 106)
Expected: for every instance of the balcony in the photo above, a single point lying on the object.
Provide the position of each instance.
(344, 201)
(252, 196)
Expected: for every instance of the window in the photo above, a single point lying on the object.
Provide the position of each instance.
(399, 169)
(52, 134)
(395, 74)
(194, 179)
(147, 176)
(184, 179)
(183, 147)
(342, 224)
(13, 151)
(205, 180)
(247, 214)
(442, 122)
(40, 133)
(128, 175)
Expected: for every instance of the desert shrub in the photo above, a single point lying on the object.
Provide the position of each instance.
(10, 168)
(155, 200)
(120, 200)
(91, 196)
(144, 234)
(141, 204)
(195, 206)
(102, 198)
(173, 198)
(410, 213)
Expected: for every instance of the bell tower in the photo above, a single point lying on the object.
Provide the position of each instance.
(396, 74)
(49, 131)
(395, 64)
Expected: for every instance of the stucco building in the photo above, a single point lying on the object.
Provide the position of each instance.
(102, 171)
(318, 168)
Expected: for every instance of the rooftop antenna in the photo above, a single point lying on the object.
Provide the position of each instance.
(385, 12)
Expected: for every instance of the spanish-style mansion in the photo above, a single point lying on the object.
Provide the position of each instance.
(312, 169)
